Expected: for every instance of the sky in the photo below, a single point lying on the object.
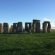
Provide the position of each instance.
(27, 10)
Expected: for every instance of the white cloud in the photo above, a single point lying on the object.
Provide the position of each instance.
(53, 24)
(46, 19)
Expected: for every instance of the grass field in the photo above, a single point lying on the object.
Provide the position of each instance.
(27, 44)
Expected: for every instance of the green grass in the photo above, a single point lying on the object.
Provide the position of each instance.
(27, 44)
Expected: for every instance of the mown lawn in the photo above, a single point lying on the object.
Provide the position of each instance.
(27, 44)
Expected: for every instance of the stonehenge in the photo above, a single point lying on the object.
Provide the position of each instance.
(29, 27)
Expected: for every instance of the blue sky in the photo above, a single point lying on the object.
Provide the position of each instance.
(27, 10)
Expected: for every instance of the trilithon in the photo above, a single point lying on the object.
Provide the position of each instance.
(46, 26)
(36, 26)
(28, 27)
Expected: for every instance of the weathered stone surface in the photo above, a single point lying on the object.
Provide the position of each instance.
(19, 27)
(14, 27)
(36, 26)
(11, 29)
(28, 26)
(0, 27)
(5, 27)
(46, 26)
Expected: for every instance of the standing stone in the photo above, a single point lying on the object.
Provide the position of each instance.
(46, 26)
(11, 29)
(36, 26)
(14, 27)
(28, 26)
(5, 27)
(0, 27)
(19, 27)
(49, 27)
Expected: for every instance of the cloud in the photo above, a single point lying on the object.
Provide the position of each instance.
(53, 24)
(46, 19)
